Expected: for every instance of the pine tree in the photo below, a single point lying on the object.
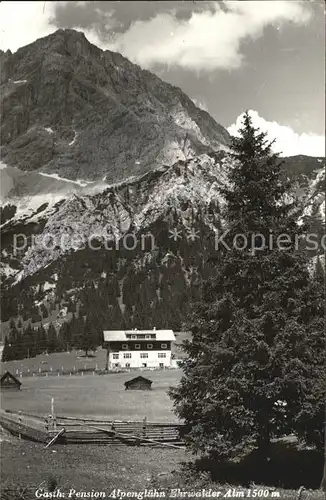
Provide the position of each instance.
(44, 311)
(6, 353)
(88, 339)
(52, 339)
(29, 341)
(41, 337)
(75, 330)
(15, 350)
(319, 271)
(258, 341)
(64, 337)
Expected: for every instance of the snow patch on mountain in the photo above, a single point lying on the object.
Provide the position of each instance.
(58, 178)
(71, 143)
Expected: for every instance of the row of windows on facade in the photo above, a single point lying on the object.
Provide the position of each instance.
(127, 355)
(141, 336)
(149, 346)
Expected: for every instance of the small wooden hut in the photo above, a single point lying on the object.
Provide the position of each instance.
(9, 381)
(139, 383)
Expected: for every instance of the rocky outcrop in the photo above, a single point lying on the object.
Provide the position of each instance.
(72, 109)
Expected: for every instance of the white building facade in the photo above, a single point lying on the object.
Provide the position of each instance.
(138, 348)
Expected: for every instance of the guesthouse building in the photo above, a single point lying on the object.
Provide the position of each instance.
(138, 348)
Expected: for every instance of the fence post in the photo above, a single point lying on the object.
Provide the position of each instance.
(20, 423)
(54, 420)
(144, 427)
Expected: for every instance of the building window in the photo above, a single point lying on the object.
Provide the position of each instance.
(127, 365)
(127, 355)
(124, 346)
(144, 365)
(164, 346)
(144, 354)
(115, 356)
(133, 337)
(161, 355)
(149, 346)
(161, 365)
(137, 346)
(147, 337)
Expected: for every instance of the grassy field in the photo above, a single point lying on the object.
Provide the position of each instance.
(62, 361)
(84, 466)
(27, 466)
(96, 395)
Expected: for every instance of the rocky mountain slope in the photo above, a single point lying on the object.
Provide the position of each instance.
(139, 246)
(110, 188)
(71, 109)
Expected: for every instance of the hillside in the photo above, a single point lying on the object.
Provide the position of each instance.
(147, 278)
(110, 189)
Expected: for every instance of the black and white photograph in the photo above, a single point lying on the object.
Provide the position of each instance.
(162, 218)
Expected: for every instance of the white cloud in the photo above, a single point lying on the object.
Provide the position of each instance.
(22, 23)
(200, 104)
(287, 142)
(208, 40)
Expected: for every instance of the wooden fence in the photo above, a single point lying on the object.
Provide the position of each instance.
(95, 431)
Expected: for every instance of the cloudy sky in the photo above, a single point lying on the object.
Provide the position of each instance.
(267, 56)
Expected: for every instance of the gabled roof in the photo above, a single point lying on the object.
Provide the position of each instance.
(121, 335)
(138, 379)
(8, 375)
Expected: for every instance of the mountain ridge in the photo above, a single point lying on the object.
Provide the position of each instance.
(67, 104)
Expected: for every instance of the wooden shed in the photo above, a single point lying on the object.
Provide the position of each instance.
(139, 383)
(9, 381)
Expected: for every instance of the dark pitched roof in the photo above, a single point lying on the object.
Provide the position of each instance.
(139, 379)
(8, 375)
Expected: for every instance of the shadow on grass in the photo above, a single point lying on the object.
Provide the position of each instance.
(288, 468)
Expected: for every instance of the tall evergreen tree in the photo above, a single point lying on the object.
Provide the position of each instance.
(41, 340)
(52, 339)
(29, 341)
(6, 353)
(88, 340)
(258, 342)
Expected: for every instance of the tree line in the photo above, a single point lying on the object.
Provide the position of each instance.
(28, 342)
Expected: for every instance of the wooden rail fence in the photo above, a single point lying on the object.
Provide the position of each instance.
(88, 430)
